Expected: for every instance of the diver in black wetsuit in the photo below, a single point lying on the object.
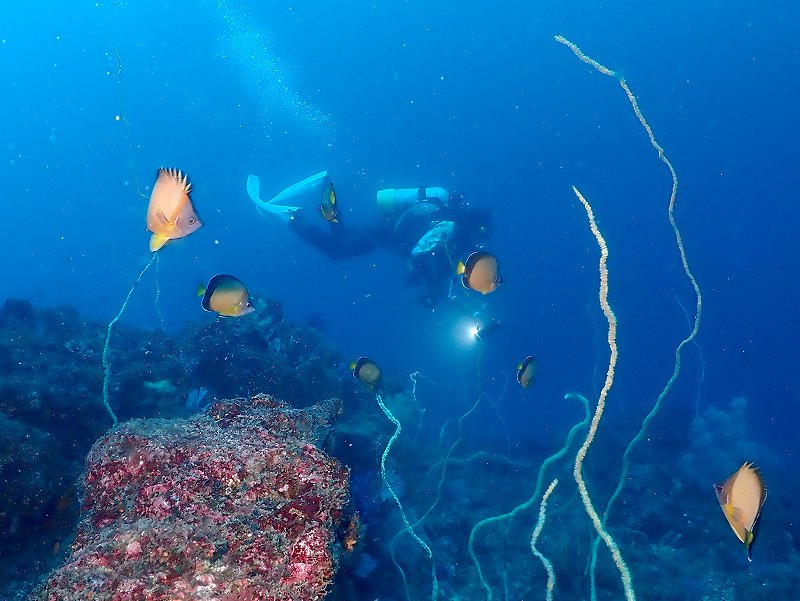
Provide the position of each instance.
(430, 227)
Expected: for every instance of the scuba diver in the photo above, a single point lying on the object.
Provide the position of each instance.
(428, 226)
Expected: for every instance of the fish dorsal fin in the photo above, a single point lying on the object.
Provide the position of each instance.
(174, 187)
(180, 179)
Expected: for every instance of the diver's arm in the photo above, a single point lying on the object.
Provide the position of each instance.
(341, 242)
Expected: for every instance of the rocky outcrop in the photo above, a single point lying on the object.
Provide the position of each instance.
(237, 503)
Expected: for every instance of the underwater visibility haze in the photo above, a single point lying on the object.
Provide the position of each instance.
(399, 300)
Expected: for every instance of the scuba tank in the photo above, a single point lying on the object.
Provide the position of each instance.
(398, 199)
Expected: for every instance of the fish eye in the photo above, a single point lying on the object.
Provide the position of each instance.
(718, 487)
(191, 220)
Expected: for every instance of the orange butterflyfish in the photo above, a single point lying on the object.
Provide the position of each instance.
(170, 214)
(741, 497)
(226, 295)
(367, 371)
(353, 532)
(526, 371)
(480, 273)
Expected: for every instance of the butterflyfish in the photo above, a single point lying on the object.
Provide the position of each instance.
(353, 532)
(327, 208)
(367, 371)
(741, 497)
(526, 372)
(480, 273)
(227, 296)
(170, 214)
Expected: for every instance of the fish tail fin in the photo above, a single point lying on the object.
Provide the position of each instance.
(461, 268)
(201, 289)
(157, 241)
(748, 541)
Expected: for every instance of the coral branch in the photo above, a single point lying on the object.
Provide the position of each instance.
(685, 264)
(601, 403)
(529, 503)
(409, 527)
(548, 565)
(106, 364)
(589, 61)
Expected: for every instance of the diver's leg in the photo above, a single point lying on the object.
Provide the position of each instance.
(339, 242)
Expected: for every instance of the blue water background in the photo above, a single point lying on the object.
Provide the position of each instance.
(474, 97)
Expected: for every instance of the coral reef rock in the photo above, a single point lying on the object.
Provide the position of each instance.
(237, 503)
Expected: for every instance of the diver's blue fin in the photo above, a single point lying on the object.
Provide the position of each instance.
(309, 184)
(253, 187)
(253, 190)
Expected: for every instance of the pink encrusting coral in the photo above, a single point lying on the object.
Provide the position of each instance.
(234, 504)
